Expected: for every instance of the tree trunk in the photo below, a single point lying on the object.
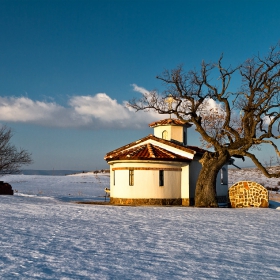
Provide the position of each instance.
(205, 192)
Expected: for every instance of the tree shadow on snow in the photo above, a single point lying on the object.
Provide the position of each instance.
(274, 204)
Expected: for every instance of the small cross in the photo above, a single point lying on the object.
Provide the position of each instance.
(169, 100)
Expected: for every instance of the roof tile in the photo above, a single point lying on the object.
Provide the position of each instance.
(152, 137)
(169, 122)
(145, 152)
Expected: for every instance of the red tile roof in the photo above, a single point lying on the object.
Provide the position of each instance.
(196, 149)
(152, 137)
(169, 122)
(146, 151)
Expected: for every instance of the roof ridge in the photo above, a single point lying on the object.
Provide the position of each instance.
(147, 151)
(131, 145)
(171, 154)
(150, 149)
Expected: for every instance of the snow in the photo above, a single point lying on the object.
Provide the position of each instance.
(45, 235)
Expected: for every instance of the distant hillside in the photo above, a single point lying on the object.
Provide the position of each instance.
(253, 174)
(60, 172)
(50, 172)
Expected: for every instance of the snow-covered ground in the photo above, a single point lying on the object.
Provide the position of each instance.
(46, 236)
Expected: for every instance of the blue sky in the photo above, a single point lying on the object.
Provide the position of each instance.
(67, 67)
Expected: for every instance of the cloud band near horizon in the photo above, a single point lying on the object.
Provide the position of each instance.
(88, 112)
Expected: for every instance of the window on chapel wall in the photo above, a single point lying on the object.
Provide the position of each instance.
(224, 176)
(131, 177)
(114, 177)
(161, 178)
(184, 138)
(164, 135)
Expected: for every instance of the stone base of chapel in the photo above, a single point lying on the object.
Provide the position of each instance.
(146, 201)
(187, 201)
(159, 201)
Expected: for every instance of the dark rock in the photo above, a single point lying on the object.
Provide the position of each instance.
(6, 188)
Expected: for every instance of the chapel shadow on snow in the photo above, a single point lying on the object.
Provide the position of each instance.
(82, 199)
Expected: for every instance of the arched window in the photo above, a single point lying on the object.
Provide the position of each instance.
(164, 134)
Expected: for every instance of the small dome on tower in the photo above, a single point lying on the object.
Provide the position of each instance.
(169, 122)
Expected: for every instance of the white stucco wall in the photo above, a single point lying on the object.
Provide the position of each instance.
(185, 186)
(222, 187)
(195, 168)
(146, 182)
(159, 129)
(173, 132)
(177, 133)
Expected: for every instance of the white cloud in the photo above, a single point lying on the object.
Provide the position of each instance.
(23, 109)
(210, 106)
(99, 106)
(140, 89)
(90, 112)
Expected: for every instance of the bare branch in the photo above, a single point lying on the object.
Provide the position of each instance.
(234, 122)
(261, 167)
(10, 158)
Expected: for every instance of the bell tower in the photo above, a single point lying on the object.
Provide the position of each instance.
(171, 130)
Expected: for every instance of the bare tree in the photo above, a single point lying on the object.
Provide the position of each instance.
(231, 124)
(11, 159)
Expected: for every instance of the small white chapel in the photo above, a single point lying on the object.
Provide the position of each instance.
(159, 169)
